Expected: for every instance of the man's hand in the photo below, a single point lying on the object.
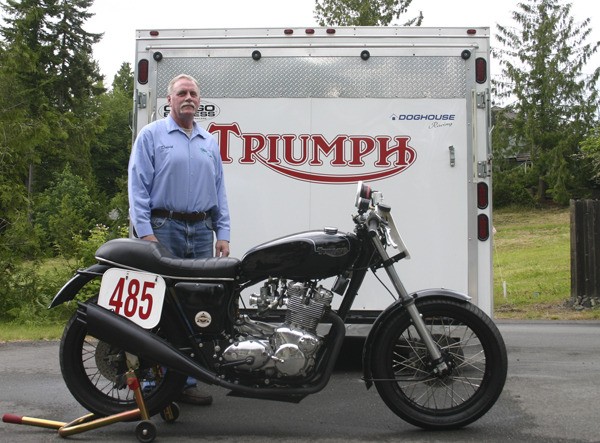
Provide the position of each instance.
(150, 237)
(222, 248)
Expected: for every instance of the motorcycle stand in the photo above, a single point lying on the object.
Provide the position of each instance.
(145, 430)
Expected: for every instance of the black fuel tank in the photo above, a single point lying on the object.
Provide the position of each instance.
(302, 256)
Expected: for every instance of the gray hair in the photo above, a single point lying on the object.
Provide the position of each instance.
(179, 77)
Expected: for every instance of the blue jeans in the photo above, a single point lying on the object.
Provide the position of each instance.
(185, 240)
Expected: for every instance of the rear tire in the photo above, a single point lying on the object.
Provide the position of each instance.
(94, 372)
(470, 343)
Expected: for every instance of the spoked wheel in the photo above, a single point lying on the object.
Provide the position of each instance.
(412, 387)
(94, 371)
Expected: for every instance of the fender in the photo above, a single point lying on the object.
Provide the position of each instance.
(78, 281)
(393, 310)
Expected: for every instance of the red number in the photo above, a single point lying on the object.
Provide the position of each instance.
(116, 299)
(146, 297)
(133, 290)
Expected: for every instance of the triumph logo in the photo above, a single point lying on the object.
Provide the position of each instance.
(288, 154)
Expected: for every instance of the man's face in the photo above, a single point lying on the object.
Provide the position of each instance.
(184, 100)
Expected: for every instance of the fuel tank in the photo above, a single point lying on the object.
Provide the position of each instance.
(302, 256)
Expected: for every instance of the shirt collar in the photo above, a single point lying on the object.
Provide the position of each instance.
(172, 126)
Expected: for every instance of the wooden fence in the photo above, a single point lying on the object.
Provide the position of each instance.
(585, 250)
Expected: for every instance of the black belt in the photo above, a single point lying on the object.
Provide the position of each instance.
(184, 216)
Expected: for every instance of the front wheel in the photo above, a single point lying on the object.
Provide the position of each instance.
(472, 348)
(94, 371)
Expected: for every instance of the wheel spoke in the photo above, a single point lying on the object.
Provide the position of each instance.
(413, 372)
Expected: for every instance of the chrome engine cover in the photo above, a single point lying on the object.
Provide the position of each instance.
(290, 349)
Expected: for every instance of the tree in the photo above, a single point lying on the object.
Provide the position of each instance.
(362, 12)
(48, 55)
(113, 145)
(591, 151)
(542, 60)
(66, 208)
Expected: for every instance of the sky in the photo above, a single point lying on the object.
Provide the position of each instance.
(119, 19)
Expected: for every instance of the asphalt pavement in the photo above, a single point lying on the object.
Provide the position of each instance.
(552, 394)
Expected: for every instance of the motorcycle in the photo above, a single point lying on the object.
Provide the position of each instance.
(436, 360)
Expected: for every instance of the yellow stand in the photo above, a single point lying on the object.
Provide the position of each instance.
(145, 430)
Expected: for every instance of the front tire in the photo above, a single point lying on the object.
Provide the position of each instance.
(94, 372)
(470, 344)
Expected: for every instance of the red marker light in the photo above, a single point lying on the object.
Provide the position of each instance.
(482, 195)
(483, 227)
(142, 76)
(480, 70)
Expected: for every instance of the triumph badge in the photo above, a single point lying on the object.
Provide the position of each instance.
(203, 319)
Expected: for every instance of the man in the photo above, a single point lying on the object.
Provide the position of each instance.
(176, 187)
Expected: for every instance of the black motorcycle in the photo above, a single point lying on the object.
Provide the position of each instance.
(436, 360)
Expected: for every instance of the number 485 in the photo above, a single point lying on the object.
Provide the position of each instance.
(131, 298)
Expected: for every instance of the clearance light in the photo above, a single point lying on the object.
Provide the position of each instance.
(471, 31)
(288, 31)
(483, 227)
(480, 70)
(482, 195)
(330, 31)
(154, 33)
(142, 76)
(309, 31)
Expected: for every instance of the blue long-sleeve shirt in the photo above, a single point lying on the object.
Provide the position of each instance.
(169, 170)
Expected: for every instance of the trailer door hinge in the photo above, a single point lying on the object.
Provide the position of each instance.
(483, 169)
(481, 100)
(452, 156)
(142, 100)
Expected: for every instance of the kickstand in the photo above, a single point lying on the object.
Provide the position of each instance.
(145, 430)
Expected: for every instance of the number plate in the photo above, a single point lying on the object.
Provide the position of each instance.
(137, 296)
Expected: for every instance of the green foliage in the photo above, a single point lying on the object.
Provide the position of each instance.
(111, 148)
(362, 12)
(590, 148)
(512, 188)
(64, 210)
(27, 292)
(28, 287)
(64, 148)
(53, 79)
(553, 102)
(85, 246)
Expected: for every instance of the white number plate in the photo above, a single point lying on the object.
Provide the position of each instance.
(137, 296)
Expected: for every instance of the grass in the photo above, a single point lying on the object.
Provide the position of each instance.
(19, 332)
(532, 256)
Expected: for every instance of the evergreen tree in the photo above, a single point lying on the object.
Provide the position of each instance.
(542, 60)
(112, 148)
(362, 12)
(48, 55)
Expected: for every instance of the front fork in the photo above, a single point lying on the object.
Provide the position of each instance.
(440, 366)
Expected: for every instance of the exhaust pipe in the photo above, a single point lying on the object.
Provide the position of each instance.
(116, 330)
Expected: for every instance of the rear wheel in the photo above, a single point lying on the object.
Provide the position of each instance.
(472, 348)
(94, 371)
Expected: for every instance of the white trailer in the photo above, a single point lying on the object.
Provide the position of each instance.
(303, 114)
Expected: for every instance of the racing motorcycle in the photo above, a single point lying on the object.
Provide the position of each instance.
(436, 360)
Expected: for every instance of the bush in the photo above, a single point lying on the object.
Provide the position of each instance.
(64, 210)
(28, 287)
(512, 188)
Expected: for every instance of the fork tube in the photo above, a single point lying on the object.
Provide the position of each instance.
(407, 301)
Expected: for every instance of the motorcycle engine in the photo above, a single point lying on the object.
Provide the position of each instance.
(287, 350)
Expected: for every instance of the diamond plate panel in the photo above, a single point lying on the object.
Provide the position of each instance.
(322, 77)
